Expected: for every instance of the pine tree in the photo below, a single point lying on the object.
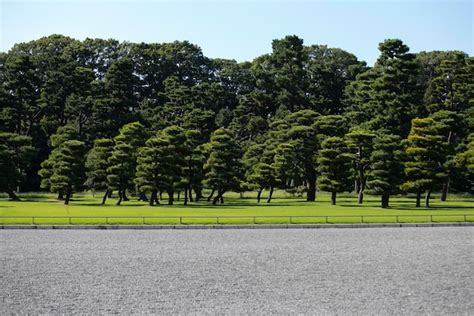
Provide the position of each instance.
(16, 154)
(63, 134)
(361, 142)
(335, 167)
(386, 172)
(161, 163)
(223, 167)
(67, 172)
(422, 168)
(464, 161)
(122, 161)
(97, 164)
(193, 171)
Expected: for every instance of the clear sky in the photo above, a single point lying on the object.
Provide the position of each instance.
(243, 30)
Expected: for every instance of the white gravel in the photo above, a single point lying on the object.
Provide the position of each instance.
(331, 271)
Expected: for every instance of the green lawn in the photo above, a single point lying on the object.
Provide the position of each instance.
(84, 209)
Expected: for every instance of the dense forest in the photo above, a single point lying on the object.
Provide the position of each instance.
(138, 119)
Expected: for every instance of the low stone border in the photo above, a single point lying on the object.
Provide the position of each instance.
(249, 226)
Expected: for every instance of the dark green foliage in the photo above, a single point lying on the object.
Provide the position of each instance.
(64, 170)
(279, 108)
(422, 168)
(122, 161)
(223, 167)
(260, 172)
(161, 164)
(464, 161)
(385, 174)
(388, 96)
(335, 167)
(97, 164)
(361, 143)
(16, 153)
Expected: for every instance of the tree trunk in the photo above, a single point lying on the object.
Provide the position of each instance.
(418, 198)
(68, 197)
(211, 195)
(427, 198)
(269, 199)
(356, 185)
(385, 197)
(445, 190)
(170, 197)
(186, 196)
(333, 198)
(161, 195)
(153, 198)
(190, 195)
(311, 194)
(360, 196)
(124, 194)
(142, 197)
(198, 194)
(179, 195)
(12, 196)
(60, 195)
(104, 198)
(120, 197)
(214, 201)
(259, 193)
(110, 194)
(219, 197)
(241, 195)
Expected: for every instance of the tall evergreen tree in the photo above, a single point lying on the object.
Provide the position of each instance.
(16, 153)
(97, 164)
(122, 161)
(223, 167)
(161, 163)
(361, 142)
(385, 174)
(67, 172)
(334, 167)
(422, 168)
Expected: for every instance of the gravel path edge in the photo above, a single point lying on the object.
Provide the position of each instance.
(258, 226)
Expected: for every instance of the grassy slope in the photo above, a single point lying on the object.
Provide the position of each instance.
(45, 205)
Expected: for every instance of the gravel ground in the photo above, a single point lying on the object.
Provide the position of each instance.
(335, 271)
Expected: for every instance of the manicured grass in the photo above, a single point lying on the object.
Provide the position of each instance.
(85, 209)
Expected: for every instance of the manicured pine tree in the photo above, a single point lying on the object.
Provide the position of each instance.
(97, 164)
(16, 154)
(161, 163)
(449, 127)
(286, 166)
(263, 176)
(63, 134)
(67, 168)
(361, 142)
(259, 169)
(301, 134)
(193, 169)
(464, 161)
(223, 167)
(385, 174)
(335, 167)
(422, 169)
(122, 161)
(250, 158)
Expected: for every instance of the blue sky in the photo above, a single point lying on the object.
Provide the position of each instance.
(243, 30)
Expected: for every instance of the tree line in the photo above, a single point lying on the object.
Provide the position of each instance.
(146, 119)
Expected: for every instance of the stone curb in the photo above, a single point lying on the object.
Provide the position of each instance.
(258, 226)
